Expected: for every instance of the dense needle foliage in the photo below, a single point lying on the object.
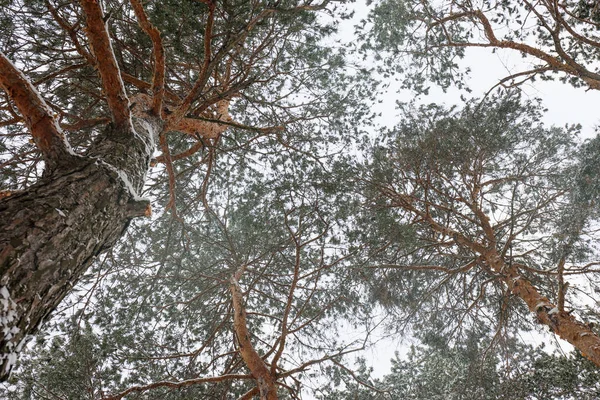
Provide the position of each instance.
(300, 231)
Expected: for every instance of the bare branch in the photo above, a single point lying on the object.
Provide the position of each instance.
(358, 379)
(71, 31)
(144, 86)
(184, 154)
(249, 395)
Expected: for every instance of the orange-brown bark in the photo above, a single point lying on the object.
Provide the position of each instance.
(71, 31)
(47, 135)
(560, 322)
(249, 394)
(106, 63)
(179, 113)
(179, 156)
(207, 129)
(158, 53)
(563, 62)
(220, 118)
(264, 379)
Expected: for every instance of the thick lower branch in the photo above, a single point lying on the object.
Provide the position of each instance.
(47, 135)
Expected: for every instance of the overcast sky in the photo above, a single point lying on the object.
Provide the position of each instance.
(565, 104)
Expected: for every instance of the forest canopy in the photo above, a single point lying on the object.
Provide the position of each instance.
(203, 199)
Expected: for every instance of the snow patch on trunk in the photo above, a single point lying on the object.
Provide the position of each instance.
(121, 175)
(8, 319)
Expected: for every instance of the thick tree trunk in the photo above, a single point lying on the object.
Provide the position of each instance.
(52, 232)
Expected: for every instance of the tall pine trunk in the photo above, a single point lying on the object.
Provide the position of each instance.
(53, 231)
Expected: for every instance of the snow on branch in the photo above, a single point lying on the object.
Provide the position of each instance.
(47, 135)
(114, 89)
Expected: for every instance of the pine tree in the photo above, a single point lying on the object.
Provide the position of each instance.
(107, 83)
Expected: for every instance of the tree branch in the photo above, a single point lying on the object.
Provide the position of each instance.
(256, 365)
(46, 133)
(207, 128)
(175, 385)
(114, 89)
(210, 62)
(184, 154)
(164, 145)
(158, 53)
(207, 67)
(249, 395)
(145, 86)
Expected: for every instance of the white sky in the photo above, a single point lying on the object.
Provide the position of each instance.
(565, 104)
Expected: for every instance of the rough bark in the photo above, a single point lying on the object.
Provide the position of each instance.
(51, 233)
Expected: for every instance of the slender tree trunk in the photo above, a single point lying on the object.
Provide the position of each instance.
(265, 380)
(52, 232)
(560, 322)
